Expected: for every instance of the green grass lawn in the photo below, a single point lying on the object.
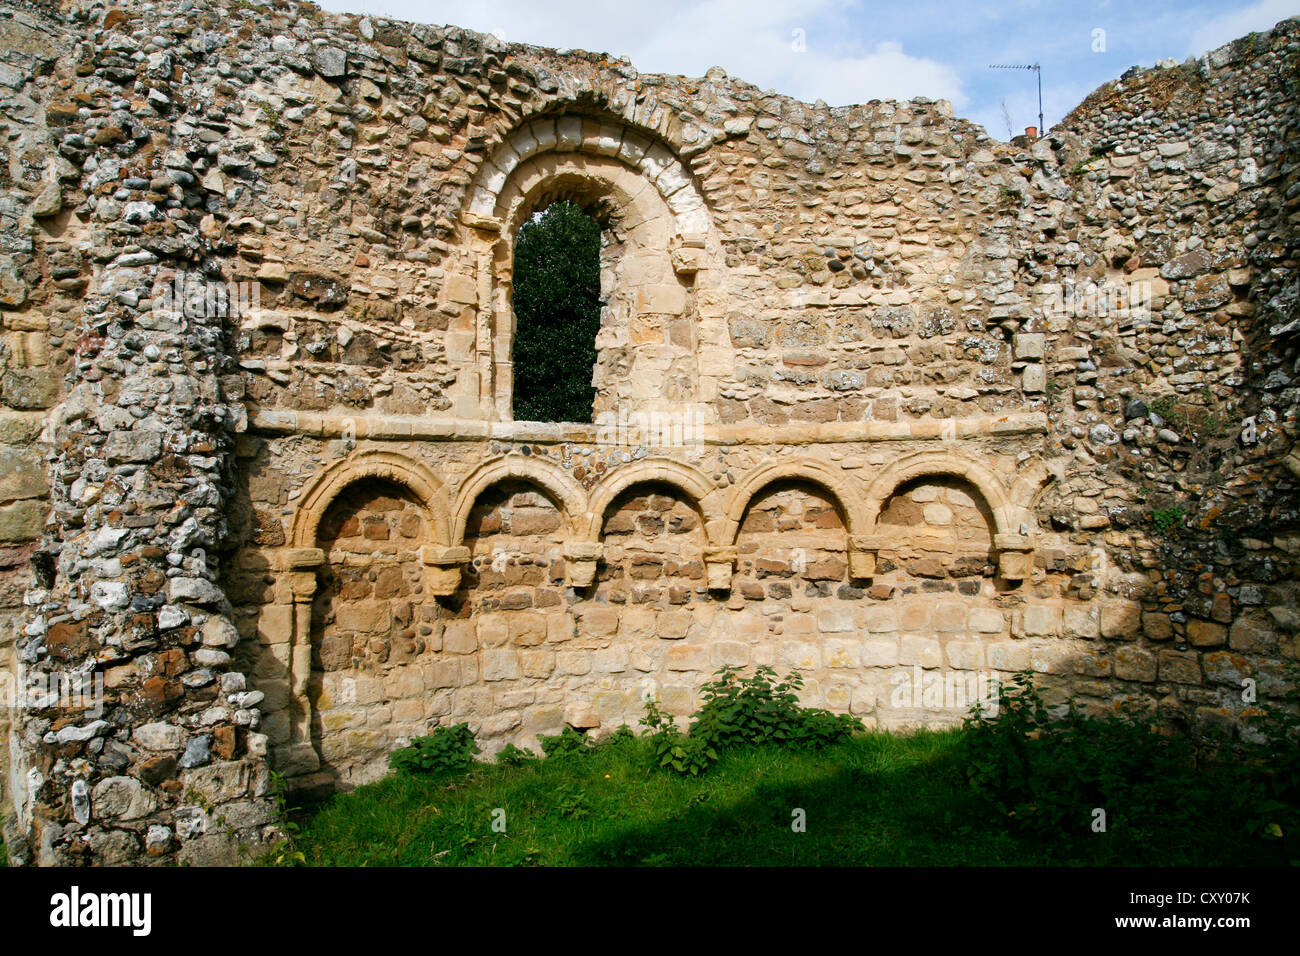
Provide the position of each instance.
(878, 799)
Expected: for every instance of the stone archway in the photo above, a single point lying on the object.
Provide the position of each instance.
(372, 619)
(1010, 520)
(370, 463)
(841, 489)
(662, 339)
(285, 626)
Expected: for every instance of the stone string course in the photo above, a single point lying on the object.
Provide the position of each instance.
(879, 396)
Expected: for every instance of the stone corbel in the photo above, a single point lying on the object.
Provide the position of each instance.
(1015, 556)
(442, 567)
(863, 549)
(580, 558)
(719, 564)
(488, 224)
(688, 255)
(687, 262)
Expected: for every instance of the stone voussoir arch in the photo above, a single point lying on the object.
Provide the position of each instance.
(1031, 481)
(615, 193)
(942, 464)
(690, 481)
(607, 136)
(844, 490)
(417, 478)
(562, 487)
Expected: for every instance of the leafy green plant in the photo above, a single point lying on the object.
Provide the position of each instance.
(1200, 415)
(1048, 774)
(270, 115)
(512, 756)
(448, 750)
(282, 851)
(744, 711)
(1270, 759)
(1053, 392)
(621, 736)
(1166, 520)
(1164, 406)
(878, 799)
(567, 743)
(572, 803)
(761, 709)
(674, 750)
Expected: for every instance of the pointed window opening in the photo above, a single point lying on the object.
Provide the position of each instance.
(557, 307)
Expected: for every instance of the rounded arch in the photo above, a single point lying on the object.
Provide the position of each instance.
(841, 488)
(941, 464)
(552, 479)
(691, 482)
(418, 478)
(609, 191)
(1032, 481)
(594, 136)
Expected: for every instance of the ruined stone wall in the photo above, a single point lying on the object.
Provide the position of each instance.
(41, 283)
(880, 399)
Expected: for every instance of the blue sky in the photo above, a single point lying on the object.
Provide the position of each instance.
(857, 50)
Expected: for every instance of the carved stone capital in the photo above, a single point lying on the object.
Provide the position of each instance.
(433, 555)
(302, 585)
(581, 558)
(862, 554)
(301, 559)
(442, 581)
(1015, 556)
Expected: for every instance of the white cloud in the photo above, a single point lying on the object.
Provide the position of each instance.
(885, 73)
(751, 39)
(1229, 26)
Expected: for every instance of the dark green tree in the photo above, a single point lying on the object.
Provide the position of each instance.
(557, 315)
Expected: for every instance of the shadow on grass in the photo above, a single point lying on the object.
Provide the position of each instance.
(849, 817)
(877, 800)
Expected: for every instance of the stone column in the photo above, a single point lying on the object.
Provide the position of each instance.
(492, 328)
(299, 576)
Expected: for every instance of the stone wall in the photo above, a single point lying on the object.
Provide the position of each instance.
(41, 283)
(880, 399)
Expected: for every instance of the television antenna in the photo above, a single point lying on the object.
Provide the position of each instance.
(1038, 70)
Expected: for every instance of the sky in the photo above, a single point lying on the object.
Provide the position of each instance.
(851, 51)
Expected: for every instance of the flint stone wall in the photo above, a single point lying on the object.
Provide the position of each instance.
(881, 400)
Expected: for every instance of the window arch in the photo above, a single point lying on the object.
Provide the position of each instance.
(651, 344)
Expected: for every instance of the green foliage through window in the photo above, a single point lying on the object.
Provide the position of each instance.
(557, 315)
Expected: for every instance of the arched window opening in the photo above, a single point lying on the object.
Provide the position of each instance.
(557, 308)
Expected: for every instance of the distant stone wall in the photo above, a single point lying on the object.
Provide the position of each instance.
(880, 400)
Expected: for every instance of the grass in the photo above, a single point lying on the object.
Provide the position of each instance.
(878, 799)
